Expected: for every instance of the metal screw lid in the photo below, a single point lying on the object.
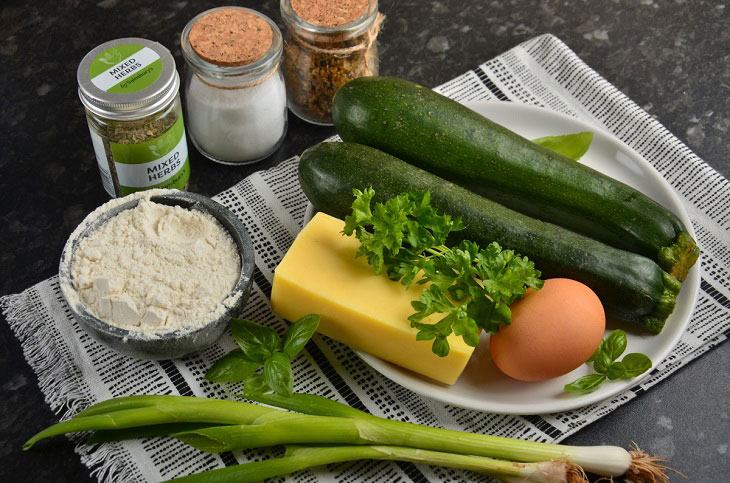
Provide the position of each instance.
(127, 79)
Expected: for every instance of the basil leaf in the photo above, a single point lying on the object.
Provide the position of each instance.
(617, 370)
(299, 334)
(278, 374)
(596, 355)
(255, 384)
(636, 364)
(233, 367)
(572, 146)
(586, 384)
(602, 362)
(256, 341)
(615, 344)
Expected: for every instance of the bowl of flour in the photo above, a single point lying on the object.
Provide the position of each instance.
(157, 274)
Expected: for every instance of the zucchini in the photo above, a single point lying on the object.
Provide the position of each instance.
(439, 135)
(630, 286)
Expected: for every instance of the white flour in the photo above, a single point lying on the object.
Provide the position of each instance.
(156, 268)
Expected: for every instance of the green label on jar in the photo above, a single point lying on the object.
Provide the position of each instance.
(161, 162)
(125, 68)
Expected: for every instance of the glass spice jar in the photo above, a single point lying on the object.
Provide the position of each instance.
(326, 45)
(235, 99)
(129, 89)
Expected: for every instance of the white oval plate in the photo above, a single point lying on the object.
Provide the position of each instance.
(482, 386)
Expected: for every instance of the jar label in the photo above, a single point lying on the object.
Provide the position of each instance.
(103, 162)
(125, 68)
(159, 163)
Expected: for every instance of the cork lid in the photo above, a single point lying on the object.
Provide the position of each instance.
(231, 37)
(327, 13)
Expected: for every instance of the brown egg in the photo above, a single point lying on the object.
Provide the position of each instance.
(553, 331)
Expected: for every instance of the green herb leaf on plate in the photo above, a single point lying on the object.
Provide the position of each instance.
(278, 374)
(233, 367)
(636, 364)
(598, 352)
(606, 365)
(440, 346)
(470, 286)
(572, 146)
(616, 370)
(256, 341)
(602, 362)
(586, 384)
(299, 334)
(615, 344)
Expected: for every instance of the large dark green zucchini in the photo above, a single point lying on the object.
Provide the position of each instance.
(443, 137)
(630, 286)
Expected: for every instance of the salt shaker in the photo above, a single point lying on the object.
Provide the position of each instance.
(326, 45)
(234, 92)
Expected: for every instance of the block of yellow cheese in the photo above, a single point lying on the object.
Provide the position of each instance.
(320, 275)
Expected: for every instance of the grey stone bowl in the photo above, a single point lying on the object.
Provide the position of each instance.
(167, 345)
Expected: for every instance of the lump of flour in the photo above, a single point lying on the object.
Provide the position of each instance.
(156, 268)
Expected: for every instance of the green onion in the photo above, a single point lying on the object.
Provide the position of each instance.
(136, 411)
(105, 436)
(238, 425)
(309, 404)
(300, 458)
(301, 429)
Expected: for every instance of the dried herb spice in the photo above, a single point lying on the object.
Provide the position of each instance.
(129, 88)
(152, 133)
(313, 75)
(319, 59)
(136, 131)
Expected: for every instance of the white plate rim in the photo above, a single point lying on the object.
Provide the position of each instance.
(434, 390)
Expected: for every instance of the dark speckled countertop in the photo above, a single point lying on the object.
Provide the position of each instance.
(670, 56)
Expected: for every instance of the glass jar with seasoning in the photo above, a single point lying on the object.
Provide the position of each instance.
(130, 90)
(235, 98)
(326, 45)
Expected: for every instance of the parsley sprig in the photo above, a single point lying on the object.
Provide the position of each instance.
(471, 287)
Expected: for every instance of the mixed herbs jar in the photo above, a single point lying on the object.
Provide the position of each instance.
(327, 44)
(235, 98)
(129, 88)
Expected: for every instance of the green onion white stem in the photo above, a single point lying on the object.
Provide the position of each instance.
(302, 429)
(601, 460)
